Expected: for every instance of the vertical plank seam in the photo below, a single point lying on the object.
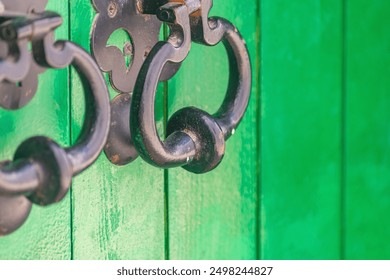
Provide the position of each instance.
(343, 133)
(166, 216)
(166, 172)
(259, 131)
(70, 92)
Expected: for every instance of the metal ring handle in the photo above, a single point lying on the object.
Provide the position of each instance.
(196, 139)
(41, 171)
(97, 115)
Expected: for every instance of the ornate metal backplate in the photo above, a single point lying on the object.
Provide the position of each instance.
(144, 31)
(16, 95)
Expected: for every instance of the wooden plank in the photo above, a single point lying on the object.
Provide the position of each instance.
(46, 234)
(118, 212)
(301, 132)
(367, 130)
(213, 216)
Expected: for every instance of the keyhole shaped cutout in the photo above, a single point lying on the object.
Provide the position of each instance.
(122, 40)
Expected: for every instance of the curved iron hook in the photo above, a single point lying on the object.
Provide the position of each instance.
(196, 139)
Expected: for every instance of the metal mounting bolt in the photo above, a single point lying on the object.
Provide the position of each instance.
(128, 49)
(112, 9)
(147, 51)
(8, 33)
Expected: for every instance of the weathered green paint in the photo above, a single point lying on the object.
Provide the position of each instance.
(213, 216)
(301, 129)
(118, 212)
(46, 234)
(367, 193)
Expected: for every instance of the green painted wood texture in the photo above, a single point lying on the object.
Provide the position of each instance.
(301, 75)
(213, 216)
(46, 235)
(304, 177)
(367, 178)
(118, 212)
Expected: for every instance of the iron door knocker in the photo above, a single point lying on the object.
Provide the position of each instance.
(41, 171)
(196, 139)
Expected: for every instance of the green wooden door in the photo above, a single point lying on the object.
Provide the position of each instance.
(306, 176)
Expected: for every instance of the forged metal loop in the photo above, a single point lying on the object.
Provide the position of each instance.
(196, 139)
(41, 171)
